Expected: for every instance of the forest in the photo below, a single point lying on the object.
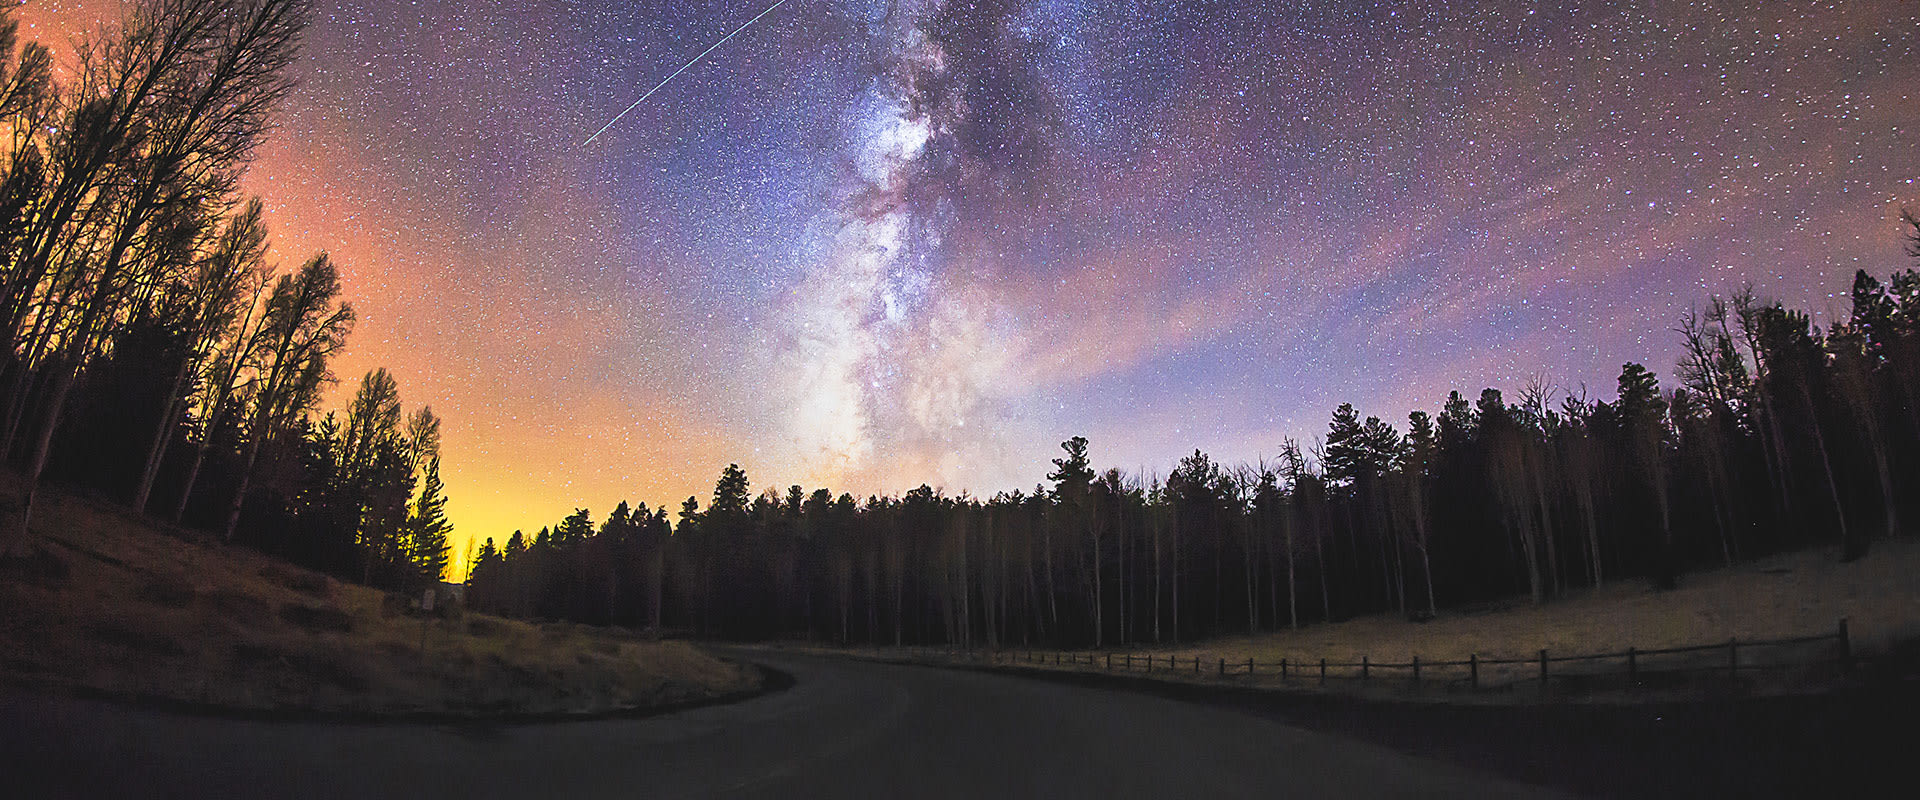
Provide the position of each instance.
(157, 355)
(1774, 435)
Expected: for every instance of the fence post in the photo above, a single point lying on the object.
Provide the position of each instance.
(1363, 668)
(1733, 658)
(1543, 670)
(1416, 671)
(1323, 670)
(1196, 665)
(1170, 665)
(1249, 666)
(1473, 670)
(1223, 668)
(1109, 662)
(1129, 662)
(1846, 647)
(1283, 669)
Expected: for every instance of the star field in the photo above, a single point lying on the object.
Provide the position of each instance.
(869, 249)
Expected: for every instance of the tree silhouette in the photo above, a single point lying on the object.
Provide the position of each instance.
(152, 349)
(427, 528)
(152, 138)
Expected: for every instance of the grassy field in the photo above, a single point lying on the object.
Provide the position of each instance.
(1792, 595)
(115, 605)
(1795, 594)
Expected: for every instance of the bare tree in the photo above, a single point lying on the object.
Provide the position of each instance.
(225, 281)
(168, 113)
(302, 329)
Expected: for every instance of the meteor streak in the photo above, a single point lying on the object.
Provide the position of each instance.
(676, 73)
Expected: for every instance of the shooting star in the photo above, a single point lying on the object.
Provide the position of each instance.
(676, 73)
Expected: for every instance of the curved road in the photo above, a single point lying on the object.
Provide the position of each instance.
(845, 729)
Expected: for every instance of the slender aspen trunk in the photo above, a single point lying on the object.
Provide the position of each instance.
(157, 450)
(1293, 591)
(1159, 577)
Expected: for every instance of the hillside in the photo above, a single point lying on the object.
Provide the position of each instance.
(1788, 595)
(112, 604)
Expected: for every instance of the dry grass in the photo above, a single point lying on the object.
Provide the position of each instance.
(111, 603)
(1790, 595)
(1794, 595)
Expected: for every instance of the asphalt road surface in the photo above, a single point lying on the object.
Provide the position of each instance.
(844, 729)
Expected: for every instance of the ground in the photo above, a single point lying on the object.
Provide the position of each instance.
(112, 604)
(1799, 594)
(1803, 593)
(848, 728)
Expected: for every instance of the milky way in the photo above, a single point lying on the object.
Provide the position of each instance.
(885, 352)
(875, 244)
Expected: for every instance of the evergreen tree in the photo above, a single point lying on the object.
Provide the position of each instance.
(428, 528)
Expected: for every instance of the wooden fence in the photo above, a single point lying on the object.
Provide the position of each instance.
(1733, 660)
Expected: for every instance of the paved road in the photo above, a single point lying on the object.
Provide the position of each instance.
(845, 729)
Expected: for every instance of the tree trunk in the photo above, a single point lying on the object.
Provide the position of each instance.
(1175, 558)
(1320, 555)
(1293, 592)
(1253, 597)
(1046, 555)
(1583, 494)
(658, 567)
(162, 437)
(1159, 576)
(1099, 622)
(1418, 485)
(1547, 532)
(15, 540)
(1120, 547)
(1847, 545)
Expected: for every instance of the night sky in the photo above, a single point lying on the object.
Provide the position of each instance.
(868, 250)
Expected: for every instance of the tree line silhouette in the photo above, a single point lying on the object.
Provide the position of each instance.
(1778, 435)
(155, 352)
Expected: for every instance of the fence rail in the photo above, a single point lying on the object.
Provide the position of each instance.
(1732, 659)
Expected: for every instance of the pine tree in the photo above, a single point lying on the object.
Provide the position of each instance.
(730, 495)
(428, 529)
(1346, 446)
